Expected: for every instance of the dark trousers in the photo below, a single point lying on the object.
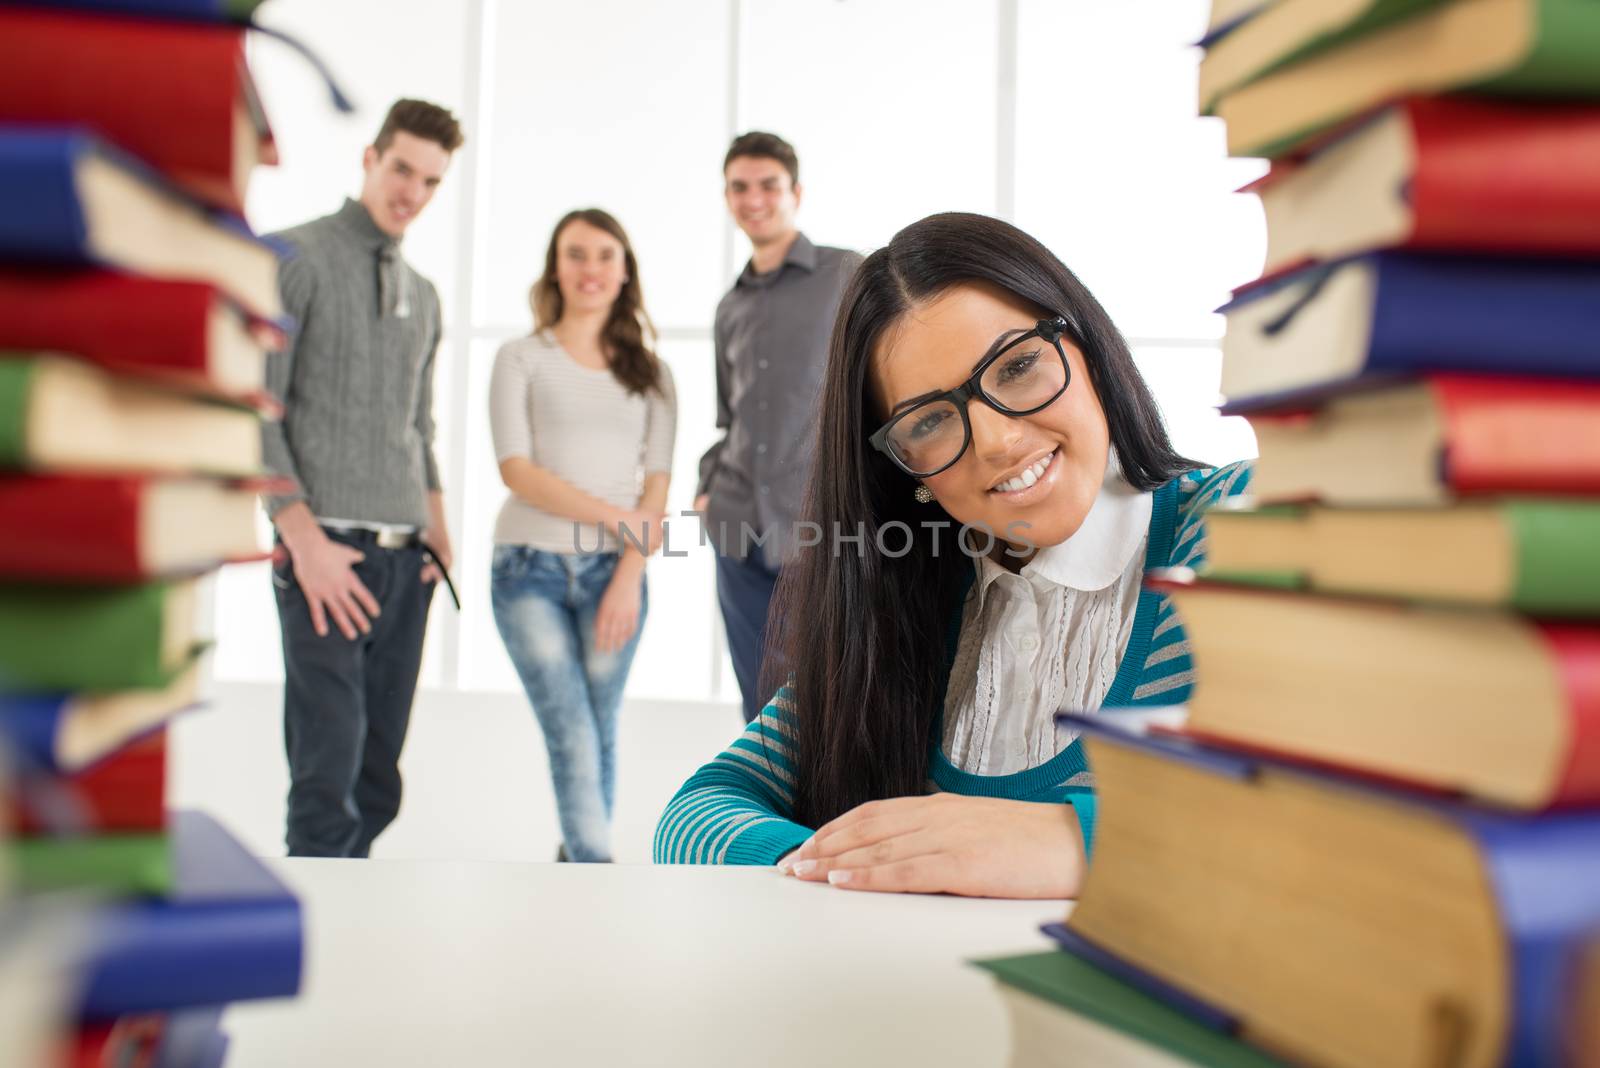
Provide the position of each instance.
(346, 704)
(744, 590)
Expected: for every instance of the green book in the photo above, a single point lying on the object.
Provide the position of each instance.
(1290, 31)
(64, 415)
(96, 638)
(1398, 48)
(1071, 983)
(1535, 555)
(116, 863)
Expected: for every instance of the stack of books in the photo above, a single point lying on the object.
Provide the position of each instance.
(1373, 837)
(137, 311)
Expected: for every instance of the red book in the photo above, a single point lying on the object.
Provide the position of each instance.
(69, 528)
(184, 333)
(126, 1042)
(1442, 173)
(177, 95)
(1430, 441)
(1491, 705)
(126, 792)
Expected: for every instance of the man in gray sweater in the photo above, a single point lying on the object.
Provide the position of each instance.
(362, 537)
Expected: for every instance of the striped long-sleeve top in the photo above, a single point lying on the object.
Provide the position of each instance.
(738, 809)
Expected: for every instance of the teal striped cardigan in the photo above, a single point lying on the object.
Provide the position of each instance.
(738, 809)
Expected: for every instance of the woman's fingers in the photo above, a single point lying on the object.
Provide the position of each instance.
(865, 824)
(876, 853)
(929, 873)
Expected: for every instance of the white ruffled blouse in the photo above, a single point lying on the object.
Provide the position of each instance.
(1047, 637)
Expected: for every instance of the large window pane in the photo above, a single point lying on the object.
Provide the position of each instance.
(889, 103)
(611, 104)
(1186, 383)
(1117, 175)
(381, 50)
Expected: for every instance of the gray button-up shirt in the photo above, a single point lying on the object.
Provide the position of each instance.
(357, 379)
(771, 339)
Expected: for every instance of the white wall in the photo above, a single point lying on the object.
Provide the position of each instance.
(1074, 118)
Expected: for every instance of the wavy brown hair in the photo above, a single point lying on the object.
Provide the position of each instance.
(629, 335)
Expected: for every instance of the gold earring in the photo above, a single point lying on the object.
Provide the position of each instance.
(923, 495)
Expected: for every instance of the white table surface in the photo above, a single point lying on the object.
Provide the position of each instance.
(470, 963)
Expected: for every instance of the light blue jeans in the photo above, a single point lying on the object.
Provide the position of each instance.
(545, 605)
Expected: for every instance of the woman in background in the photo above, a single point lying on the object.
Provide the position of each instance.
(972, 381)
(583, 415)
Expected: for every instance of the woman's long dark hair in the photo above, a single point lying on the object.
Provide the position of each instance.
(628, 333)
(861, 635)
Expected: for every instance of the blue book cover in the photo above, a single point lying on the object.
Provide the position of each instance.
(42, 215)
(1544, 871)
(231, 11)
(228, 931)
(1444, 313)
(59, 734)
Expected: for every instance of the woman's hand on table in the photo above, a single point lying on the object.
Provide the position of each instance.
(950, 844)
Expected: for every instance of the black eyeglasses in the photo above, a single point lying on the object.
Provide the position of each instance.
(1019, 379)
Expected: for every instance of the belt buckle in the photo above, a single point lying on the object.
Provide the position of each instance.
(390, 538)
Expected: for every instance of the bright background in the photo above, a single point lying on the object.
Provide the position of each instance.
(1074, 119)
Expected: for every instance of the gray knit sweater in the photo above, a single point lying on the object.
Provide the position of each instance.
(357, 379)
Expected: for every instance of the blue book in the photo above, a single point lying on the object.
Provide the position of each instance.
(1331, 328)
(59, 734)
(68, 198)
(228, 931)
(188, 10)
(1332, 920)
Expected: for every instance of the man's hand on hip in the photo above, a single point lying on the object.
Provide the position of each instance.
(325, 570)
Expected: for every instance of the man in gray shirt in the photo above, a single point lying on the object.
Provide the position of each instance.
(771, 338)
(363, 536)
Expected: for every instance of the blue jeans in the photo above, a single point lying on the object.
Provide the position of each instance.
(545, 605)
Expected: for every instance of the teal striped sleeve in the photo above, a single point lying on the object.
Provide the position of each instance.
(737, 809)
(1202, 490)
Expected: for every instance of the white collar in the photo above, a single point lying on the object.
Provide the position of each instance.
(1100, 551)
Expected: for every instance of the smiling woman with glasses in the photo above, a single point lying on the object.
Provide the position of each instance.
(992, 482)
(928, 434)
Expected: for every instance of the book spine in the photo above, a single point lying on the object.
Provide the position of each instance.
(29, 725)
(122, 793)
(155, 958)
(16, 385)
(1453, 313)
(117, 863)
(1535, 437)
(1505, 178)
(83, 638)
(1577, 653)
(1561, 61)
(74, 529)
(1545, 874)
(134, 325)
(1554, 547)
(165, 92)
(41, 217)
